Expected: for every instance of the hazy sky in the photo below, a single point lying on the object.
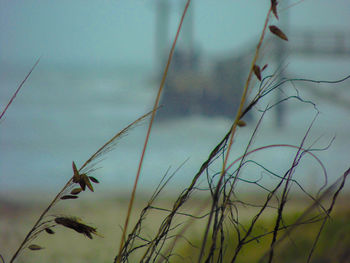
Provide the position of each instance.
(115, 31)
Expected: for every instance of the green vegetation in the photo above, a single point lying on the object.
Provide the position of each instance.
(332, 246)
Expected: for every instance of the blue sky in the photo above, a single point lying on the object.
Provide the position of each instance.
(122, 32)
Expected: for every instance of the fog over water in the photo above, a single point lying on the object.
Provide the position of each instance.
(98, 72)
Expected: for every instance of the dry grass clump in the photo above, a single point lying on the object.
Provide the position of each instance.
(224, 233)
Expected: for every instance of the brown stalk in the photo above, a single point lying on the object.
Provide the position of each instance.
(19, 88)
(156, 103)
(233, 130)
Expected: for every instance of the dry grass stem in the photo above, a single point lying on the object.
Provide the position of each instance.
(19, 88)
(156, 103)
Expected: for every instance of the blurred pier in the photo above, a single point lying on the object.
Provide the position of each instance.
(192, 88)
(308, 42)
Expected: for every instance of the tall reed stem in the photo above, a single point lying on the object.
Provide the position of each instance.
(156, 103)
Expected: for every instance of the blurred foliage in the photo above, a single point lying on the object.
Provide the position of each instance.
(333, 245)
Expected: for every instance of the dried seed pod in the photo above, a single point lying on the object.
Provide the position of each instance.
(76, 191)
(241, 123)
(65, 197)
(82, 183)
(264, 67)
(49, 231)
(274, 7)
(75, 224)
(257, 71)
(278, 32)
(94, 180)
(87, 182)
(35, 247)
(76, 175)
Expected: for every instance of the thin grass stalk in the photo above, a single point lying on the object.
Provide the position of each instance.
(335, 196)
(19, 88)
(156, 103)
(285, 193)
(233, 130)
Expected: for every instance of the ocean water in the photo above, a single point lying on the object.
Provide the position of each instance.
(65, 114)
